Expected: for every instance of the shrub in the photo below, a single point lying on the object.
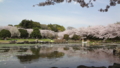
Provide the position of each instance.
(5, 33)
(75, 37)
(36, 33)
(23, 33)
(66, 37)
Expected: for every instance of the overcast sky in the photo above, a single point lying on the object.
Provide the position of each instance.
(66, 14)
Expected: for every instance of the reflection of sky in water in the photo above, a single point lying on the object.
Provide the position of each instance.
(71, 58)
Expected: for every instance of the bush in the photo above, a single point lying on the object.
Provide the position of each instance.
(75, 37)
(23, 33)
(66, 37)
(5, 33)
(36, 33)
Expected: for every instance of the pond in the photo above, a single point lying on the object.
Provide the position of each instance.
(58, 56)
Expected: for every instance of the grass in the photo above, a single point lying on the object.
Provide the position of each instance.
(21, 40)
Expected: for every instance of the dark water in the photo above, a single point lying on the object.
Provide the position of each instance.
(58, 57)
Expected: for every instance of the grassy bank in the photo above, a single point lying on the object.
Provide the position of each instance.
(22, 40)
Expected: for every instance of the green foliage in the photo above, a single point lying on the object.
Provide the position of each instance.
(36, 33)
(56, 27)
(29, 24)
(32, 24)
(10, 25)
(44, 26)
(5, 33)
(66, 37)
(75, 37)
(23, 33)
(18, 26)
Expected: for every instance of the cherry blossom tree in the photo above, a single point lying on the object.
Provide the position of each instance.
(29, 31)
(48, 34)
(83, 3)
(110, 31)
(14, 32)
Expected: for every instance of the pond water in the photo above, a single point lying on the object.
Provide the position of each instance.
(58, 56)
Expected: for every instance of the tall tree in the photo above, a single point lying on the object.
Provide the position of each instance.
(29, 24)
(14, 32)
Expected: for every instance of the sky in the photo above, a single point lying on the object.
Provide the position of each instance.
(65, 14)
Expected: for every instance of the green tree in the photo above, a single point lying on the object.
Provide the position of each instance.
(10, 25)
(23, 33)
(60, 28)
(66, 37)
(44, 26)
(5, 33)
(36, 24)
(56, 27)
(29, 24)
(36, 33)
(75, 37)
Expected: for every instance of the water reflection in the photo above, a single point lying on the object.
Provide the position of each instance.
(4, 49)
(60, 57)
(36, 54)
(82, 66)
(115, 65)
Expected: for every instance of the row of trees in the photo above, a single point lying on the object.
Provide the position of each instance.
(111, 31)
(29, 24)
(14, 32)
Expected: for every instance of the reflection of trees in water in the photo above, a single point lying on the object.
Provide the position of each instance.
(22, 49)
(82, 66)
(96, 54)
(54, 54)
(66, 48)
(4, 49)
(93, 53)
(36, 55)
(115, 65)
(35, 51)
(54, 67)
(30, 58)
(76, 48)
